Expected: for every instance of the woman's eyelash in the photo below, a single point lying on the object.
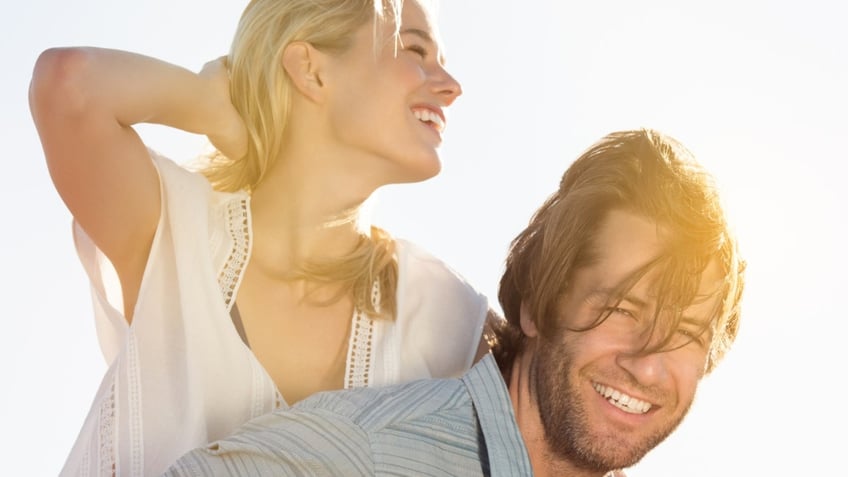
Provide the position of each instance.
(417, 49)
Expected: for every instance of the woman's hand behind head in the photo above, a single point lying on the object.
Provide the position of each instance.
(228, 133)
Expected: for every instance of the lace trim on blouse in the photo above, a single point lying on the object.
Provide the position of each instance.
(238, 226)
(359, 353)
(107, 459)
(136, 430)
(106, 446)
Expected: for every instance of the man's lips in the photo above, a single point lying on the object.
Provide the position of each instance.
(621, 400)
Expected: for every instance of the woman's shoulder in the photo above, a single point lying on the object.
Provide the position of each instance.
(440, 315)
(419, 266)
(200, 214)
(180, 179)
(422, 276)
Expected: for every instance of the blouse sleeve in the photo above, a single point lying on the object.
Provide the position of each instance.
(110, 322)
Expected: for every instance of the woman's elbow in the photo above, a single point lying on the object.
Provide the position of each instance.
(57, 84)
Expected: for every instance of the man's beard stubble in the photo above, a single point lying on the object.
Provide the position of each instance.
(568, 432)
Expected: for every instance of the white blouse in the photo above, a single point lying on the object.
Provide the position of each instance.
(180, 376)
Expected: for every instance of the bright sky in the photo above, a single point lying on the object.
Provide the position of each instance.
(755, 88)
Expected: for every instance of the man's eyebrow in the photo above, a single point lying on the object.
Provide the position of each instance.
(695, 322)
(609, 294)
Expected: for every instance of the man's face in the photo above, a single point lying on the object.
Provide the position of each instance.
(602, 404)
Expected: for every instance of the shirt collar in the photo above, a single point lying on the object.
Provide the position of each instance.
(507, 453)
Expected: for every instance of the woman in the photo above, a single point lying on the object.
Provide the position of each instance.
(249, 285)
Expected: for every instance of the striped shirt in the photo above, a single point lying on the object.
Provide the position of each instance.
(446, 427)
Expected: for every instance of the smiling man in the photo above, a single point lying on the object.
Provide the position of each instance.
(621, 294)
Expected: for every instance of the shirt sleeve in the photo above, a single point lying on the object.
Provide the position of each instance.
(292, 442)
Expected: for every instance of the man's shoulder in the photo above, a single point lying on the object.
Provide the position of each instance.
(379, 407)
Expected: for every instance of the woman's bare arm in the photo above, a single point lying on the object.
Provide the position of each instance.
(84, 102)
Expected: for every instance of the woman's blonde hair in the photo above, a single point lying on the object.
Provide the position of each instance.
(261, 92)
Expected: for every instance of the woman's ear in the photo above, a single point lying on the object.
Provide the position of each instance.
(528, 325)
(302, 63)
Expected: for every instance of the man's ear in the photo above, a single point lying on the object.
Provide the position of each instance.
(528, 325)
(303, 63)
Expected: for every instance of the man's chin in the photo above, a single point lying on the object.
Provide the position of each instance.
(609, 451)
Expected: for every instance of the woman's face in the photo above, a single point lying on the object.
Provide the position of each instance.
(387, 103)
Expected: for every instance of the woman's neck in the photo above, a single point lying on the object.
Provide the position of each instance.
(303, 214)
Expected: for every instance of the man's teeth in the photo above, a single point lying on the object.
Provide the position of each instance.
(623, 401)
(426, 115)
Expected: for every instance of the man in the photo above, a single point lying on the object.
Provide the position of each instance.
(620, 295)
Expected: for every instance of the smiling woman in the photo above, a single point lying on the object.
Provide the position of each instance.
(249, 282)
(755, 88)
